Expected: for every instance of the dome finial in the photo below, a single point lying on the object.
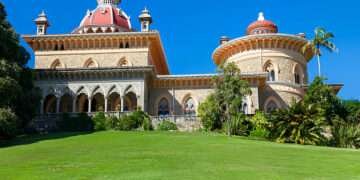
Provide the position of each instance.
(261, 16)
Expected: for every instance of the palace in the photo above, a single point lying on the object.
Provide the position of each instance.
(106, 65)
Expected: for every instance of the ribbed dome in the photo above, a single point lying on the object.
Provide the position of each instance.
(107, 17)
(262, 26)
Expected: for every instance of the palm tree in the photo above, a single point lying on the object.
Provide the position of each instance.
(322, 39)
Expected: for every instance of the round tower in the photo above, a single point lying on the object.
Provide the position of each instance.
(264, 50)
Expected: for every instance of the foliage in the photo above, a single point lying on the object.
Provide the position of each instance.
(210, 114)
(299, 124)
(324, 100)
(80, 122)
(16, 80)
(227, 99)
(8, 123)
(111, 122)
(99, 121)
(345, 134)
(260, 125)
(167, 125)
(322, 40)
(239, 125)
(353, 109)
(135, 120)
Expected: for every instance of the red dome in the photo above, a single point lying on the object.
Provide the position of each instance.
(105, 18)
(261, 26)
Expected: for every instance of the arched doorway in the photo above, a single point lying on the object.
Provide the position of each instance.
(163, 107)
(98, 103)
(66, 103)
(50, 104)
(114, 102)
(130, 102)
(82, 103)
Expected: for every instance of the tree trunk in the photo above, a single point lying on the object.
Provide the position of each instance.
(319, 65)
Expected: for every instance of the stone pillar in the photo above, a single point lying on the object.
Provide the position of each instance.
(89, 104)
(122, 103)
(140, 102)
(57, 105)
(106, 104)
(74, 105)
(42, 106)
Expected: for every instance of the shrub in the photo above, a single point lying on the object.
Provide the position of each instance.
(147, 125)
(166, 125)
(210, 114)
(80, 122)
(346, 135)
(111, 122)
(8, 123)
(99, 121)
(260, 124)
(127, 123)
(239, 125)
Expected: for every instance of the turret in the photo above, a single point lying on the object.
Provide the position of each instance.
(145, 20)
(42, 24)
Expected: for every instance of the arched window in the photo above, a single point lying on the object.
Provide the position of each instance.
(245, 108)
(269, 68)
(298, 75)
(90, 64)
(271, 106)
(56, 64)
(189, 107)
(163, 107)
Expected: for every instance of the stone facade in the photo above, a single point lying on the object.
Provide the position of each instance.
(105, 69)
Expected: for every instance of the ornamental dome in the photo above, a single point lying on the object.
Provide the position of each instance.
(107, 17)
(262, 26)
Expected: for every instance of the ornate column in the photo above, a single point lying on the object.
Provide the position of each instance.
(122, 103)
(42, 106)
(57, 104)
(74, 105)
(89, 104)
(106, 104)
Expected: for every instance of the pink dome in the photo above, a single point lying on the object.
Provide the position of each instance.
(105, 18)
(262, 26)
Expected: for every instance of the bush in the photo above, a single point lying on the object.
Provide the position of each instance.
(260, 125)
(135, 120)
(147, 125)
(111, 122)
(8, 123)
(210, 114)
(127, 123)
(239, 125)
(166, 125)
(346, 135)
(99, 121)
(80, 122)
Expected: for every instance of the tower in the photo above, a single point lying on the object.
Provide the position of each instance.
(42, 24)
(145, 20)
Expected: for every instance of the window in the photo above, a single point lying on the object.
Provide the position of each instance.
(269, 68)
(189, 107)
(163, 107)
(297, 75)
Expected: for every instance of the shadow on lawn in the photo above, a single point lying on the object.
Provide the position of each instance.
(30, 139)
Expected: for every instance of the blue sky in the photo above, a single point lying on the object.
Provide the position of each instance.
(190, 29)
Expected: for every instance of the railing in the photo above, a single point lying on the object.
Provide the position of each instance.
(183, 122)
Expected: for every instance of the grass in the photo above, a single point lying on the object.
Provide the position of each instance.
(161, 155)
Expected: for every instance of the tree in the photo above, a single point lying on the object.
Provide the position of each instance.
(230, 91)
(17, 89)
(210, 113)
(322, 39)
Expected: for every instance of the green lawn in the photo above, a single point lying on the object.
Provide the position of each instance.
(156, 155)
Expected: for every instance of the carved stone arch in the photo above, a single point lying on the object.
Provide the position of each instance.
(158, 101)
(130, 88)
(123, 62)
(187, 101)
(270, 102)
(67, 90)
(90, 63)
(272, 69)
(111, 90)
(82, 90)
(97, 89)
(57, 64)
(298, 73)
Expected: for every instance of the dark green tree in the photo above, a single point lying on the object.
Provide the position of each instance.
(230, 90)
(17, 90)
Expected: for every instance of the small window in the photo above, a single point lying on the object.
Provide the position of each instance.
(189, 107)
(163, 107)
